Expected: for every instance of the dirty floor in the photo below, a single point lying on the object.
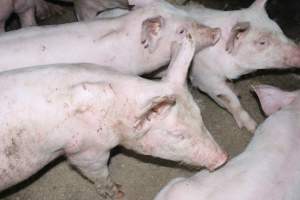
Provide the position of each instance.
(142, 177)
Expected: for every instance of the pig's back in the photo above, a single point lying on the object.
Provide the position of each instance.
(269, 168)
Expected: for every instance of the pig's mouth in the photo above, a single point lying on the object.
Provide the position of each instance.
(189, 166)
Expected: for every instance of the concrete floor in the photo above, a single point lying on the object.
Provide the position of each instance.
(142, 177)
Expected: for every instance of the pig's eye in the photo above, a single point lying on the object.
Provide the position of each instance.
(262, 43)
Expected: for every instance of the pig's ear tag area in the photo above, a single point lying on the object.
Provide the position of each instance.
(237, 33)
(273, 99)
(156, 109)
(151, 32)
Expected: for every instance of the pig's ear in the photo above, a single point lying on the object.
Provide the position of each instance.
(260, 4)
(155, 109)
(273, 99)
(151, 32)
(182, 55)
(237, 32)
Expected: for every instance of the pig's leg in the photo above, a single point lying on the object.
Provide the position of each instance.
(85, 11)
(93, 165)
(2, 26)
(27, 18)
(217, 88)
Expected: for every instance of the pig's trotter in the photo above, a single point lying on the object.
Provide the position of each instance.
(232, 104)
(221, 92)
(109, 190)
(93, 165)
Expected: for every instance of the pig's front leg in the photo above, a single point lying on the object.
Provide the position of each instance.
(27, 18)
(2, 26)
(93, 165)
(218, 89)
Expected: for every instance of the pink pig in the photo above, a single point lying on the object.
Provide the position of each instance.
(84, 110)
(268, 168)
(250, 41)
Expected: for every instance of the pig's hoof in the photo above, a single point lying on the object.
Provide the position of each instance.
(110, 192)
(245, 121)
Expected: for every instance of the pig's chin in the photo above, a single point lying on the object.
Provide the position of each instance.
(191, 166)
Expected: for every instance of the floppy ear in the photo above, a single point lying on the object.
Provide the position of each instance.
(182, 53)
(237, 32)
(260, 4)
(273, 99)
(151, 32)
(155, 109)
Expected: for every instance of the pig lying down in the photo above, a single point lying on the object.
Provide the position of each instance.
(148, 31)
(250, 41)
(82, 111)
(26, 10)
(268, 168)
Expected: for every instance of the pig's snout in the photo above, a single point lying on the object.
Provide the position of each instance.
(292, 58)
(219, 161)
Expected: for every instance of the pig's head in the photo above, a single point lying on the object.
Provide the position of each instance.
(273, 99)
(257, 42)
(170, 22)
(169, 124)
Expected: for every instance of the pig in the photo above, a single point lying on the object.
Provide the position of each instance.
(26, 10)
(84, 110)
(89, 9)
(250, 40)
(268, 168)
(148, 32)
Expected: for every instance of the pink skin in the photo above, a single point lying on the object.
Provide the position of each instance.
(149, 31)
(267, 169)
(90, 109)
(250, 41)
(26, 10)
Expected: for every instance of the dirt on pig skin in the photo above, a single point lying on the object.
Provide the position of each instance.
(142, 177)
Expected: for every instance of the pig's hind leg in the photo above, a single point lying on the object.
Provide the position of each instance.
(93, 165)
(27, 18)
(218, 89)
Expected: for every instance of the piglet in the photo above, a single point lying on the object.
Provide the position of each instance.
(83, 111)
(268, 168)
(135, 43)
(26, 10)
(250, 41)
